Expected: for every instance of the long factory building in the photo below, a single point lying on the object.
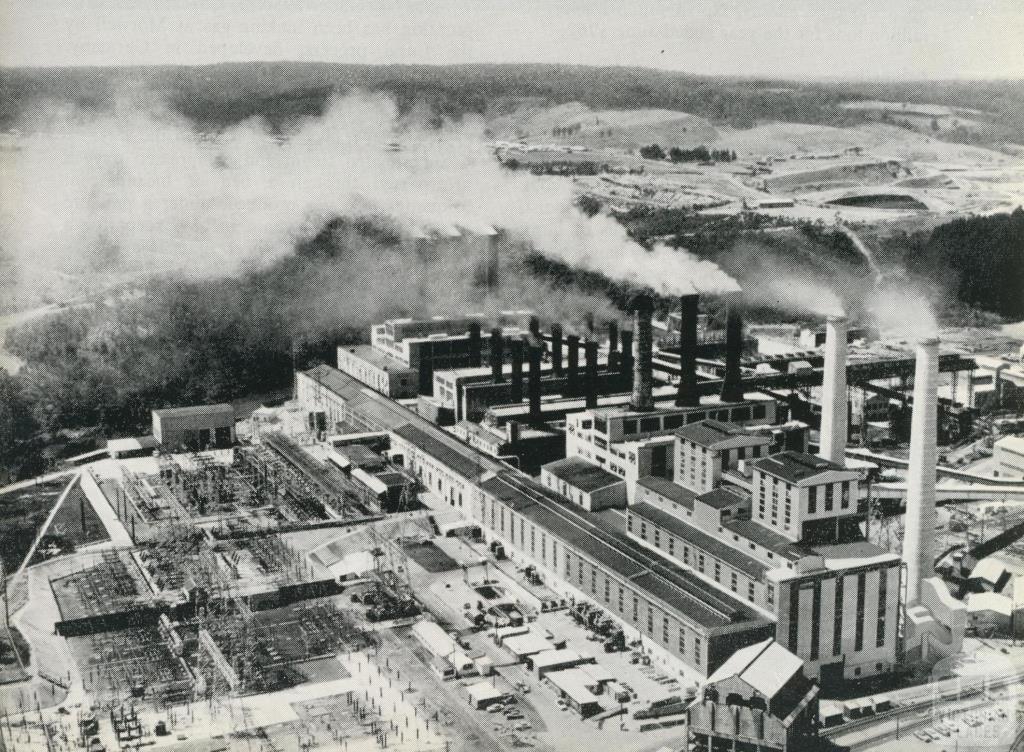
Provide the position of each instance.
(674, 610)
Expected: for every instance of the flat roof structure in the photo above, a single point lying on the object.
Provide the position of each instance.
(583, 475)
(527, 644)
(376, 358)
(765, 538)
(671, 491)
(714, 434)
(722, 497)
(465, 461)
(796, 467)
(575, 684)
(223, 409)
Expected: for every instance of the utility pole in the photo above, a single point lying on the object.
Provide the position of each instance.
(7, 604)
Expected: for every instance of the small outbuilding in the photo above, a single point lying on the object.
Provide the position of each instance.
(484, 694)
(584, 483)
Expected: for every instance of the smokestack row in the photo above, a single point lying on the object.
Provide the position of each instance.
(732, 386)
(572, 373)
(613, 345)
(516, 353)
(626, 362)
(556, 348)
(919, 528)
(687, 394)
(426, 372)
(590, 377)
(832, 440)
(643, 350)
(497, 356)
(475, 345)
(533, 385)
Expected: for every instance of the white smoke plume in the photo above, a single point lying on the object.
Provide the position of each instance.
(140, 185)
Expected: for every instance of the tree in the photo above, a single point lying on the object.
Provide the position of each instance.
(588, 205)
(652, 152)
(16, 424)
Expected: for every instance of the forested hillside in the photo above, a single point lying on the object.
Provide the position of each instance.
(215, 96)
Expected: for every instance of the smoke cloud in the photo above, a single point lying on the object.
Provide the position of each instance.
(141, 187)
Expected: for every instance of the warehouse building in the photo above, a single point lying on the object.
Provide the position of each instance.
(585, 484)
(379, 370)
(195, 428)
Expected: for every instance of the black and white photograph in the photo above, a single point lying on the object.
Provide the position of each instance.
(511, 376)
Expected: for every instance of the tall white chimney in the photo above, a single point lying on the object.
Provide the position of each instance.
(832, 442)
(919, 529)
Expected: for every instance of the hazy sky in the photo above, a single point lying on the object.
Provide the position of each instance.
(852, 38)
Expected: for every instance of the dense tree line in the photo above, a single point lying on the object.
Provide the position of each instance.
(676, 154)
(979, 259)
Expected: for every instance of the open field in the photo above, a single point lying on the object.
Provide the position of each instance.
(866, 173)
(22, 513)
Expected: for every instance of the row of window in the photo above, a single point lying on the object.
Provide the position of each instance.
(699, 557)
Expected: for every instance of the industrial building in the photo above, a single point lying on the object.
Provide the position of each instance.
(195, 427)
(733, 535)
(586, 484)
(1009, 456)
(759, 699)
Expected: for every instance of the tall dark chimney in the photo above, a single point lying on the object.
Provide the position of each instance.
(572, 371)
(732, 387)
(534, 327)
(643, 350)
(626, 362)
(475, 345)
(497, 355)
(687, 394)
(427, 368)
(533, 385)
(613, 345)
(590, 377)
(590, 325)
(556, 348)
(516, 352)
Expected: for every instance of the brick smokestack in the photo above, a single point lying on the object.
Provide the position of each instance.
(687, 394)
(590, 378)
(919, 530)
(613, 345)
(834, 424)
(427, 369)
(497, 355)
(572, 371)
(732, 386)
(516, 354)
(643, 380)
(533, 385)
(475, 345)
(626, 361)
(556, 348)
